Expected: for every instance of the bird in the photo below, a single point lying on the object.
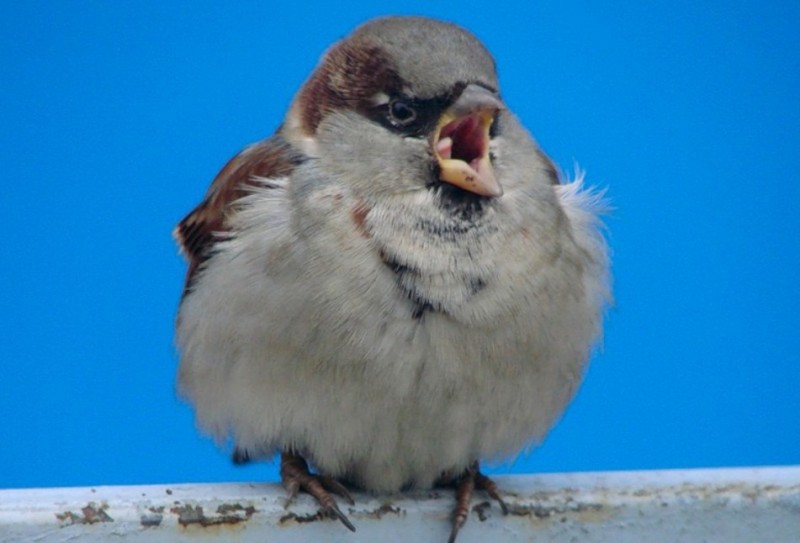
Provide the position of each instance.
(398, 284)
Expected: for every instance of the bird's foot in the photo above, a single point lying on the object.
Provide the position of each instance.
(471, 480)
(295, 477)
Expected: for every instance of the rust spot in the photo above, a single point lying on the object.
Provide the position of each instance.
(547, 511)
(90, 514)
(153, 518)
(541, 512)
(149, 520)
(236, 509)
(385, 509)
(302, 519)
(226, 513)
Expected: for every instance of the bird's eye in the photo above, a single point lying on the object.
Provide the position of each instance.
(402, 113)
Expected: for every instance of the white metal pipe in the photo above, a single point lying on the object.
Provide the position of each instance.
(718, 505)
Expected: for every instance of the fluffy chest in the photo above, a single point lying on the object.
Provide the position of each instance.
(418, 256)
(386, 358)
(429, 291)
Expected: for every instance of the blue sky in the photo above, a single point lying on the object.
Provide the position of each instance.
(116, 116)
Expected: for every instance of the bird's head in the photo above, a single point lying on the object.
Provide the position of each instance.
(403, 104)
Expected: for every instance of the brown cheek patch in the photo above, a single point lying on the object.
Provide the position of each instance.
(359, 215)
(351, 73)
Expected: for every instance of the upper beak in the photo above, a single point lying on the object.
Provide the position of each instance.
(461, 142)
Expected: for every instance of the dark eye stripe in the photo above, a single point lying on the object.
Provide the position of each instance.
(427, 112)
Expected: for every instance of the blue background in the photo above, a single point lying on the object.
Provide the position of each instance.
(114, 118)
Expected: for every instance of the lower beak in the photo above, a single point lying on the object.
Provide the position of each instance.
(461, 142)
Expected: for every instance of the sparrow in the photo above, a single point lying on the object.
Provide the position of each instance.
(395, 286)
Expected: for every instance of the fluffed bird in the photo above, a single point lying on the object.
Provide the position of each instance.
(397, 284)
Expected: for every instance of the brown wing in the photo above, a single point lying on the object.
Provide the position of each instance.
(207, 223)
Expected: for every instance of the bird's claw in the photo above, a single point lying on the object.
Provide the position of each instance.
(295, 476)
(482, 482)
(471, 480)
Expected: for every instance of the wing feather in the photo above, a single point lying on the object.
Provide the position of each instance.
(207, 223)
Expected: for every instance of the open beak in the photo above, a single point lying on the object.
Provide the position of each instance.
(461, 142)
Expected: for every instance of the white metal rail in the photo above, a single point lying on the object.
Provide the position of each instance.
(720, 505)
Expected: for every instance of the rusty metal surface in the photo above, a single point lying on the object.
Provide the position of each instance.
(725, 505)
